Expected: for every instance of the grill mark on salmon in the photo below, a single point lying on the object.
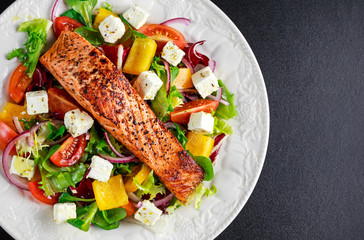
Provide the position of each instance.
(98, 86)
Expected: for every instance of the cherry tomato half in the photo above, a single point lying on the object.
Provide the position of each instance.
(162, 34)
(129, 208)
(40, 194)
(6, 134)
(18, 84)
(65, 24)
(60, 102)
(70, 151)
(182, 114)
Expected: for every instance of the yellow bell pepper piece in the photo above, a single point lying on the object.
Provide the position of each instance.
(110, 194)
(130, 186)
(101, 15)
(199, 145)
(183, 79)
(140, 56)
(11, 110)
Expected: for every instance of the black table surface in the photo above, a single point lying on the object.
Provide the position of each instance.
(311, 54)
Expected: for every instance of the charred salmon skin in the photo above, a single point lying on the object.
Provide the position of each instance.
(100, 88)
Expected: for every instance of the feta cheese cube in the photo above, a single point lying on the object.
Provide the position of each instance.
(64, 211)
(37, 102)
(201, 122)
(205, 82)
(77, 122)
(100, 169)
(136, 16)
(147, 85)
(148, 213)
(22, 167)
(112, 29)
(172, 53)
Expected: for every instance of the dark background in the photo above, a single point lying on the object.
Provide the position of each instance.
(311, 55)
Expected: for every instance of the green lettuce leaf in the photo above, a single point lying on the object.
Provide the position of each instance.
(93, 36)
(74, 15)
(180, 135)
(84, 8)
(224, 111)
(220, 126)
(85, 215)
(206, 164)
(200, 192)
(37, 30)
(150, 186)
(162, 104)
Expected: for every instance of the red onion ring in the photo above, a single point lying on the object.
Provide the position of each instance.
(163, 201)
(170, 125)
(184, 21)
(133, 197)
(212, 65)
(124, 159)
(168, 85)
(111, 146)
(218, 95)
(188, 64)
(17, 125)
(217, 147)
(54, 10)
(17, 181)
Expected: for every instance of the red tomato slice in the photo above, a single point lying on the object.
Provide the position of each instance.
(70, 151)
(6, 134)
(40, 194)
(60, 102)
(65, 24)
(162, 34)
(18, 84)
(129, 208)
(182, 114)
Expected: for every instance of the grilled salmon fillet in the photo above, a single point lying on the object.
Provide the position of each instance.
(99, 87)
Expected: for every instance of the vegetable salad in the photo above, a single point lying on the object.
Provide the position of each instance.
(53, 148)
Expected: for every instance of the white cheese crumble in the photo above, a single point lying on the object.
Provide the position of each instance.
(172, 53)
(148, 213)
(205, 82)
(201, 122)
(100, 169)
(77, 122)
(147, 85)
(112, 29)
(136, 16)
(37, 102)
(64, 211)
(22, 167)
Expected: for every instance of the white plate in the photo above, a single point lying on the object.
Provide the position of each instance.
(240, 161)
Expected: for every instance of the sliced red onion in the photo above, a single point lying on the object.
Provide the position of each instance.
(124, 159)
(134, 197)
(138, 205)
(212, 65)
(54, 10)
(188, 64)
(184, 21)
(217, 147)
(170, 125)
(30, 139)
(17, 125)
(168, 85)
(164, 201)
(218, 95)
(111, 146)
(190, 96)
(14, 179)
(188, 90)
(224, 102)
(195, 57)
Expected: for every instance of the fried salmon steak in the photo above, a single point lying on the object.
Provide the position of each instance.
(99, 87)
